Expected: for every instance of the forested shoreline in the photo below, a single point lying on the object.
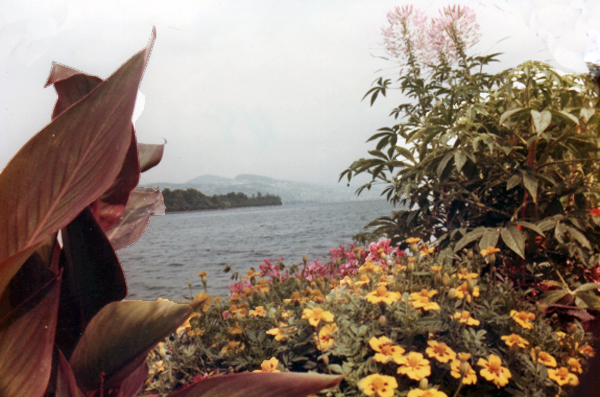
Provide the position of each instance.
(193, 200)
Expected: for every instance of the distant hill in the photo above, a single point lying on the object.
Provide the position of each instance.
(290, 192)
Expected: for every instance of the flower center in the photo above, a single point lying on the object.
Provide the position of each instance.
(381, 291)
(378, 384)
(387, 350)
(441, 350)
(465, 315)
(494, 367)
(317, 312)
(413, 361)
(522, 316)
(424, 292)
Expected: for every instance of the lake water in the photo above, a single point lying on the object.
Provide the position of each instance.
(176, 247)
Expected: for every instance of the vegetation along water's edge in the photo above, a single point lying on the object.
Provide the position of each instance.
(179, 200)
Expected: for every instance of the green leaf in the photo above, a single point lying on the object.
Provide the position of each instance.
(587, 287)
(580, 237)
(551, 297)
(530, 226)
(586, 113)
(406, 153)
(531, 184)
(442, 165)
(508, 113)
(117, 340)
(489, 239)
(378, 153)
(459, 160)
(40, 191)
(513, 181)
(514, 239)
(590, 299)
(541, 121)
(265, 384)
(569, 116)
(469, 238)
(26, 344)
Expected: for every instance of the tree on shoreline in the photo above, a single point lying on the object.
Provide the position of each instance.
(192, 200)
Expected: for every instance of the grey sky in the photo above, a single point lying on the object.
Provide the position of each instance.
(260, 86)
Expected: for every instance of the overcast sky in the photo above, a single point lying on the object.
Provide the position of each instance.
(265, 87)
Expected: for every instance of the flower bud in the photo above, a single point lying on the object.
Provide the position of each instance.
(204, 280)
(463, 368)
(470, 286)
(325, 359)
(381, 320)
(411, 266)
(452, 293)
(573, 328)
(423, 384)
(446, 280)
(541, 307)
(190, 283)
(227, 268)
(513, 348)
(304, 259)
(298, 283)
(383, 255)
(470, 254)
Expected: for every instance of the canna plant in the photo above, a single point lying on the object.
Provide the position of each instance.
(507, 160)
(67, 202)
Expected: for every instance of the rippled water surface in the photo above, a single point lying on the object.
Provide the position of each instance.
(176, 247)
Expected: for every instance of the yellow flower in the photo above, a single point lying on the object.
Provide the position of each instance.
(314, 317)
(156, 368)
(258, 312)
(562, 376)
(587, 351)
(381, 294)
(362, 282)
(420, 300)
(465, 275)
(493, 371)
(426, 251)
(381, 385)
(470, 376)
(386, 350)
(543, 358)
(412, 240)
(325, 340)
(262, 286)
(369, 267)
(251, 274)
(440, 351)
(575, 365)
(232, 346)
(423, 293)
(463, 291)
(465, 318)
(489, 251)
(281, 332)
(414, 366)
(205, 299)
(269, 365)
(514, 339)
(202, 273)
(235, 330)
(295, 299)
(436, 269)
(426, 393)
(523, 318)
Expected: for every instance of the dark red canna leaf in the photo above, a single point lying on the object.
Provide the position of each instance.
(266, 384)
(26, 343)
(83, 150)
(131, 386)
(143, 202)
(150, 155)
(92, 278)
(66, 385)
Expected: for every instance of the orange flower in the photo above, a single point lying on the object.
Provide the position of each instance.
(587, 351)
(514, 339)
(562, 376)
(463, 291)
(382, 385)
(269, 365)
(314, 317)
(369, 267)
(364, 281)
(258, 312)
(414, 366)
(295, 299)
(543, 358)
(489, 251)
(575, 365)
(465, 318)
(420, 300)
(232, 347)
(470, 376)
(440, 351)
(386, 350)
(523, 318)
(281, 332)
(325, 340)
(465, 275)
(381, 294)
(493, 371)
(413, 240)
(426, 393)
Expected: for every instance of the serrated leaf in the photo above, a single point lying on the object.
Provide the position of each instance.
(586, 113)
(551, 297)
(459, 160)
(531, 184)
(587, 287)
(514, 239)
(508, 113)
(489, 239)
(514, 181)
(541, 121)
(580, 237)
(590, 299)
(469, 238)
(530, 226)
(443, 163)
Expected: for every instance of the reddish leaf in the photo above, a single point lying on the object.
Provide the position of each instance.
(92, 278)
(26, 344)
(143, 202)
(71, 85)
(117, 340)
(66, 166)
(109, 208)
(260, 384)
(150, 155)
(66, 385)
(131, 386)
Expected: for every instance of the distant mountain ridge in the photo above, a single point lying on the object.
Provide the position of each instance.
(289, 191)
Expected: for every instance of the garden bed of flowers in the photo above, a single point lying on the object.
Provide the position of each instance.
(396, 322)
